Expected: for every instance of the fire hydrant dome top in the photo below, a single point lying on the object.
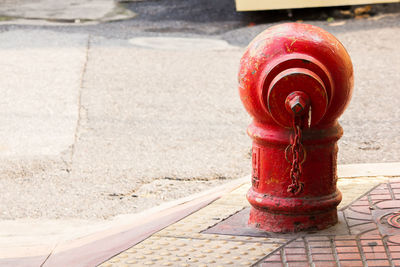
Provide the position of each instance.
(302, 47)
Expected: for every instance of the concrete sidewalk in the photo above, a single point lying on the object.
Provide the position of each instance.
(96, 119)
(95, 127)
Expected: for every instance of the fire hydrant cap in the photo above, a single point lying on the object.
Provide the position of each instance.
(286, 84)
(293, 52)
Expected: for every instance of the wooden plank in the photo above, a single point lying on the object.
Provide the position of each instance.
(249, 5)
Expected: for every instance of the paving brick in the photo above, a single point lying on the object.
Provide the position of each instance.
(373, 249)
(317, 238)
(371, 236)
(361, 209)
(360, 203)
(345, 237)
(363, 228)
(380, 263)
(349, 256)
(393, 248)
(376, 255)
(389, 204)
(371, 243)
(295, 251)
(296, 244)
(353, 214)
(322, 257)
(274, 257)
(324, 264)
(352, 249)
(345, 243)
(298, 264)
(396, 262)
(349, 263)
(272, 264)
(354, 222)
(375, 234)
(395, 185)
(300, 257)
(395, 255)
(396, 190)
(380, 197)
(325, 250)
(382, 186)
(320, 244)
(380, 191)
(394, 239)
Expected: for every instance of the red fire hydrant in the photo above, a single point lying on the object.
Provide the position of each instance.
(295, 80)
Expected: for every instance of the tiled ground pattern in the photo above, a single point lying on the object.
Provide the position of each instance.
(371, 240)
(183, 244)
(170, 251)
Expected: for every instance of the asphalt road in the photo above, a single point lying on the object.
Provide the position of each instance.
(208, 18)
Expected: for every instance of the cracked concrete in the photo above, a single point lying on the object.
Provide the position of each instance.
(79, 104)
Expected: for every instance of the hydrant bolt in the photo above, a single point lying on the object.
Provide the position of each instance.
(297, 103)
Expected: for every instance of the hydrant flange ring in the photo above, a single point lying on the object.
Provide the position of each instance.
(289, 81)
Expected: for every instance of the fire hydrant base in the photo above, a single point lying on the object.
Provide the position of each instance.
(287, 223)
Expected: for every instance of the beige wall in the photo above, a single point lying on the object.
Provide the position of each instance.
(247, 5)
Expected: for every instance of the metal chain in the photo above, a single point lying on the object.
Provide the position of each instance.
(296, 148)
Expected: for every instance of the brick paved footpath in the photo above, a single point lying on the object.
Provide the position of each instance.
(368, 234)
(373, 238)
